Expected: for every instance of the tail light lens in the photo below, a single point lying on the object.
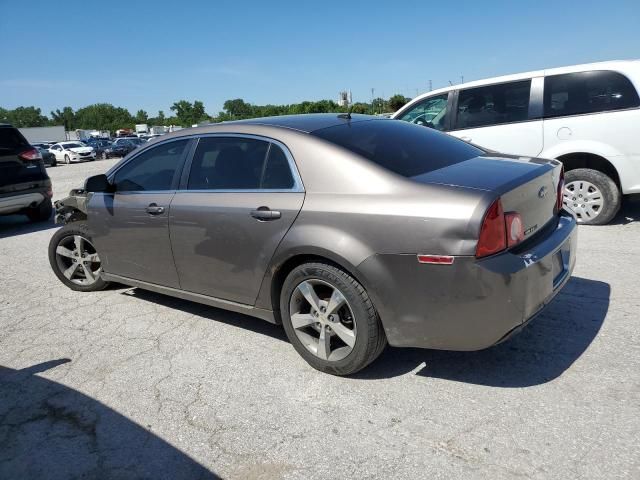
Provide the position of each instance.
(493, 235)
(560, 189)
(515, 228)
(30, 155)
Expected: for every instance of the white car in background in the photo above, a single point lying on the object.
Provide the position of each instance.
(68, 152)
(586, 116)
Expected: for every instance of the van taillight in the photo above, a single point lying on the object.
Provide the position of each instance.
(560, 192)
(30, 155)
(493, 235)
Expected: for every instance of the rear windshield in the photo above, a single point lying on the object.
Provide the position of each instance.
(401, 147)
(12, 141)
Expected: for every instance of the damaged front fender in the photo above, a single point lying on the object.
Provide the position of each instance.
(72, 208)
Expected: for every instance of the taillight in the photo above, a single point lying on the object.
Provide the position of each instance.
(515, 228)
(30, 155)
(493, 237)
(560, 192)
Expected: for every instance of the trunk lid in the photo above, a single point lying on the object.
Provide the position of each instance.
(525, 185)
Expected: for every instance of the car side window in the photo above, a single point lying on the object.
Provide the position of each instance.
(430, 112)
(587, 92)
(152, 170)
(493, 104)
(277, 171)
(228, 163)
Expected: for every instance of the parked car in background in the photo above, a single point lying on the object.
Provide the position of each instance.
(586, 116)
(118, 148)
(68, 152)
(351, 231)
(25, 187)
(48, 158)
(99, 146)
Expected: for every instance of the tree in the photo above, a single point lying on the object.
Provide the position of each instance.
(24, 117)
(238, 109)
(65, 117)
(188, 113)
(104, 116)
(397, 102)
(141, 116)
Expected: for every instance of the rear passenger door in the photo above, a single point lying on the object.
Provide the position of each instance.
(238, 199)
(503, 117)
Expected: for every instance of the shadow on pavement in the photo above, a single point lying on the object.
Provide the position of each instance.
(540, 353)
(13, 225)
(629, 212)
(51, 431)
(239, 320)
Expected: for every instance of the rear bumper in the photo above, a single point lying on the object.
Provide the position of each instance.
(472, 304)
(15, 203)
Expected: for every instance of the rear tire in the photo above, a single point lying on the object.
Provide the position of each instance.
(356, 317)
(78, 268)
(104, 155)
(41, 213)
(605, 197)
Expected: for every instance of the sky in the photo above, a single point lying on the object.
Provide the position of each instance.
(149, 54)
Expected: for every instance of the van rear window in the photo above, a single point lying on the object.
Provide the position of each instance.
(403, 148)
(12, 141)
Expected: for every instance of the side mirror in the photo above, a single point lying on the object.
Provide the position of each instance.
(98, 183)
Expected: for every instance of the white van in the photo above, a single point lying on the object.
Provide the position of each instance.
(587, 116)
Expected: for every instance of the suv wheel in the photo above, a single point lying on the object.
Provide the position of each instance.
(330, 320)
(41, 213)
(75, 260)
(591, 195)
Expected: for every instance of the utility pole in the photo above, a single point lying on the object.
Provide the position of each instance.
(430, 85)
(461, 78)
(373, 107)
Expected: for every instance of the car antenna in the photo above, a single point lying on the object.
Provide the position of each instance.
(347, 115)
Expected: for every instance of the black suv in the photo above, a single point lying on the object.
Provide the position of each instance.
(25, 186)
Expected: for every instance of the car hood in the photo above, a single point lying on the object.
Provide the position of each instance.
(81, 149)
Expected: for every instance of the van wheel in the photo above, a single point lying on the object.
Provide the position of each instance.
(591, 195)
(330, 320)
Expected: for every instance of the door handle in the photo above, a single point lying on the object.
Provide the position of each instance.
(154, 209)
(265, 213)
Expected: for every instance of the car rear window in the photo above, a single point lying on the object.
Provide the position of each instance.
(12, 141)
(406, 149)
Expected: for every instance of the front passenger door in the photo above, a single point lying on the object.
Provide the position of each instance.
(130, 227)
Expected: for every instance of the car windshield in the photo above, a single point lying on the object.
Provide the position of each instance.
(73, 145)
(403, 148)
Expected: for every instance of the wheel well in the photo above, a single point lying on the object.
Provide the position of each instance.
(278, 278)
(572, 161)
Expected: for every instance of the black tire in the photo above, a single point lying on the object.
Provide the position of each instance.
(370, 338)
(41, 213)
(612, 198)
(104, 155)
(67, 160)
(61, 236)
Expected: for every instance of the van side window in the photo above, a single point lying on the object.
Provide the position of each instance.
(587, 92)
(493, 104)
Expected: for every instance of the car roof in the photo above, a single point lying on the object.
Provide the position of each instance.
(306, 123)
(615, 65)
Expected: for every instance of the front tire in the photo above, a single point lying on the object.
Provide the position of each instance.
(67, 160)
(104, 155)
(75, 260)
(330, 319)
(592, 195)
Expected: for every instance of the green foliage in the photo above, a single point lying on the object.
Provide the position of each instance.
(66, 117)
(141, 117)
(23, 117)
(188, 113)
(103, 116)
(397, 102)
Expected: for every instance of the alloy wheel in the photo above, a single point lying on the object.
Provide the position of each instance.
(322, 319)
(584, 199)
(78, 260)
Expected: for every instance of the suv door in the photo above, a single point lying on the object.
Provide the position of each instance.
(241, 196)
(130, 227)
(505, 117)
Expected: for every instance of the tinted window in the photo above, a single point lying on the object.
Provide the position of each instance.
(587, 92)
(11, 141)
(493, 104)
(277, 172)
(405, 149)
(153, 169)
(227, 163)
(431, 112)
